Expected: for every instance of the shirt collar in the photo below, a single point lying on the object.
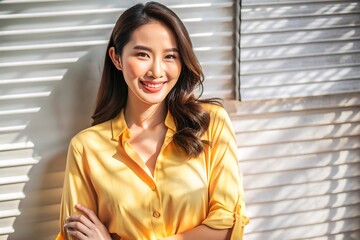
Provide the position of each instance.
(118, 124)
(169, 121)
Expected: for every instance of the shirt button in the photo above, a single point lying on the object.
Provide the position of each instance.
(156, 214)
(153, 187)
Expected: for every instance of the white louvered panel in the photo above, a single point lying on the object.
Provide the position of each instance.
(51, 55)
(16, 146)
(302, 49)
(293, 177)
(297, 119)
(349, 228)
(307, 62)
(301, 162)
(16, 173)
(285, 38)
(300, 159)
(219, 28)
(298, 148)
(9, 213)
(286, 23)
(4, 232)
(299, 48)
(11, 185)
(301, 191)
(304, 204)
(341, 229)
(303, 90)
(298, 134)
(281, 9)
(252, 108)
(314, 217)
(347, 235)
(11, 196)
(6, 206)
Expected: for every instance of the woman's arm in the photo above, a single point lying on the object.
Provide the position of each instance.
(226, 205)
(202, 232)
(77, 189)
(89, 227)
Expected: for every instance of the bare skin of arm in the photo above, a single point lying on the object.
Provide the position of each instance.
(89, 227)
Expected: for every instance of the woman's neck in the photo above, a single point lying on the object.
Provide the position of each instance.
(145, 117)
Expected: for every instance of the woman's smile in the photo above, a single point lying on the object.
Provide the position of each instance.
(151, 64)
(152, 87)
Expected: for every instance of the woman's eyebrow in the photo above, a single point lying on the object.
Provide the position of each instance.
(172, 50)
(140, 47)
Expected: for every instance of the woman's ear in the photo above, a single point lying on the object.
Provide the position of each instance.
(115, 58)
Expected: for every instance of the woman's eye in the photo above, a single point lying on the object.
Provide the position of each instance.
(170, 56)
(142, 54)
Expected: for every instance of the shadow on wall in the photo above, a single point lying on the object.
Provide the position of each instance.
(64, 112)
(300, 159)
(298, 128)
(51, 56)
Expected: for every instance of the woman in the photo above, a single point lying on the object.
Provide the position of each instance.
(158, 162)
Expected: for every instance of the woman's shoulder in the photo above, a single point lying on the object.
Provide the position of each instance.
(94, 133)
(220, 125)
(216, 111)
(220, 121)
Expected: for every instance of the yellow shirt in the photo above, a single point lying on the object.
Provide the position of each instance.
(104, 173)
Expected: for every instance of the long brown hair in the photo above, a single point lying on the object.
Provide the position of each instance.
(191, 119)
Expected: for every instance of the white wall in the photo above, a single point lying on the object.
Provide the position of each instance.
(300, 159)
(51, 55)
(297, 125)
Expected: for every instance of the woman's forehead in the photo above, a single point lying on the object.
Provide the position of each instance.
(154, 33)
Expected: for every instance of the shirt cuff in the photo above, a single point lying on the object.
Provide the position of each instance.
(241, 220)
(221, 218)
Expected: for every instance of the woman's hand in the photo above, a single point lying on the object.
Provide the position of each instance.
(86, 227)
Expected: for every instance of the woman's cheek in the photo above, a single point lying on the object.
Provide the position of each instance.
(174, 70)
(136, 68)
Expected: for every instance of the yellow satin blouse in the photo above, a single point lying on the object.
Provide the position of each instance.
(104, 173)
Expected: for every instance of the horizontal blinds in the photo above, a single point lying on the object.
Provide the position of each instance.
(299, 48)
(51, 54)
(62, 32)
(300, 158)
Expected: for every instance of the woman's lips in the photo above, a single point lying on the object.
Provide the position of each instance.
(153, 87)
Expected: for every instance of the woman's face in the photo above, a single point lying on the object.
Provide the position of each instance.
(150, 63)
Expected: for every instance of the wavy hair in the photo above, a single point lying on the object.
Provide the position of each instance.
(191, 119)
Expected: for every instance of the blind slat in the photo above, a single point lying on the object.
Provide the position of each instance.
(310, 37)
(51, 56)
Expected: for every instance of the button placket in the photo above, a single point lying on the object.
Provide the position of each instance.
(156, 213)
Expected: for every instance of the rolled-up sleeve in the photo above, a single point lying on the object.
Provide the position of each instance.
(226, 195)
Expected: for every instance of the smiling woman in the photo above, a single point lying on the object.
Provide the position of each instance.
(146, 69)
(158, 162)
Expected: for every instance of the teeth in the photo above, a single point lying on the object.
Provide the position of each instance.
(153, 85)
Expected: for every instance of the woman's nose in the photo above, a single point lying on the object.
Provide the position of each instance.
(156, 70)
